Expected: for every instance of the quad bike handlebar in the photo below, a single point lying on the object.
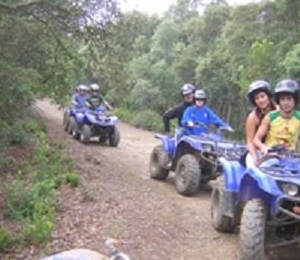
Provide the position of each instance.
(201, 124)
(280, 152)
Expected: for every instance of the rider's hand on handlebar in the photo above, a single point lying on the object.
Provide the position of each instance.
(264, 149)
(190, 124)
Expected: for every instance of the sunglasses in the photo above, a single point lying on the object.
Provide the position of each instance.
(199, 99)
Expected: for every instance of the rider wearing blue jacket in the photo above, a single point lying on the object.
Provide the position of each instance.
(79, 99)
(200, 114)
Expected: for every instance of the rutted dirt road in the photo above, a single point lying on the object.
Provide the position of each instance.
(117, 198)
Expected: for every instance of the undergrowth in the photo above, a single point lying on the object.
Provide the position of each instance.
(29, 197)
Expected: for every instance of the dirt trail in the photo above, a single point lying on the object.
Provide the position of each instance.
(151, 216)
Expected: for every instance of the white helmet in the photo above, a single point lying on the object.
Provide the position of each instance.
(94, 87)
(200, 94)
(82, 87)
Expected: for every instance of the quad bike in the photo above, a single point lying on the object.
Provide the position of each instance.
(95, 123)
(69, 116)
(194, 158)
(86, 254)
(263, 201)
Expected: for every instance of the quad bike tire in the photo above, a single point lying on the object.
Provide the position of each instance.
(74, 128)
(158, 162)
(252, 231)
(114, 137)
(85, 134)
(220, 221)
(71, 125)
(188, 175)
(66, 121)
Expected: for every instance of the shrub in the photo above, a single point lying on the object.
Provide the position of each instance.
(149, 120)
(124, 114)
(41, 225)
(72, 179)
(5, 239)
(15, 134)
(21, 200)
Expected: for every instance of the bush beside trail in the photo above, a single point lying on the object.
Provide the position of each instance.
(32, 169)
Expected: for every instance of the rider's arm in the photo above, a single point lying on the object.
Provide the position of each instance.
(261, 132)
(88, 103)
(214, 119)
(251, 124)
(187, 116)
(73, 99)
(107, 105)
(172, 113)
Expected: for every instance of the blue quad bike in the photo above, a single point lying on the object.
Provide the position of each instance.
(86, 124)
(194, 158)
(69, 117)
(263, 202)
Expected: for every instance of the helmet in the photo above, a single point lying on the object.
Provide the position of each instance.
(94, 87)
(82, 87)
(77, 88)
(187, 89)
(286, 86)
(256, 87)
(200, 94)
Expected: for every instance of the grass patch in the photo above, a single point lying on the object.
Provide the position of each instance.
(72, 179)
(29, 194)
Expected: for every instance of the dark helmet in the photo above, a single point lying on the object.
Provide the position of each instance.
(200, 94)
(187, 89)
(286, 86)
(257, 87)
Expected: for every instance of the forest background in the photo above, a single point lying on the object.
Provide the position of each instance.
(139, 60)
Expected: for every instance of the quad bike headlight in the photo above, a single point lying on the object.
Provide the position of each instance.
(207, 147)
(290, 189)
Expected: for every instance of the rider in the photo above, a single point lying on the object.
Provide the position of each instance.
(187, 93)
(260, 95)
(281, 126)
(96, 99)
(201, 115)
(79, 98)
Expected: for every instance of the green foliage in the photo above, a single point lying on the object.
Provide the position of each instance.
(40, 227)
(15, 134)
(148, 119)
(291, 63)
(124, 114)
(72, 179)
(30, 197)
(5, 239)
(261, 64)
(22, 199)
(143, 95)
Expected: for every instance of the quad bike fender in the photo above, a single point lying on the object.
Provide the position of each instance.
(195, 144)
(79, 117)
(233, 173)
(167, 142)
(256, 184)
(90, 118)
